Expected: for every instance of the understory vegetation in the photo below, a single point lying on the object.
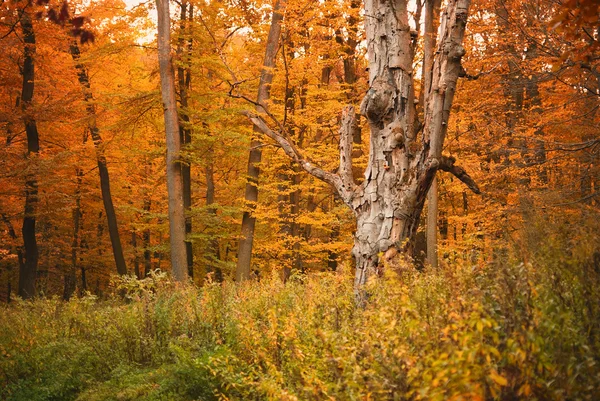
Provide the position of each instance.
(501, 330)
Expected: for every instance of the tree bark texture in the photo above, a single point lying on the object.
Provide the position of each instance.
(71, 273)
(242, 271)
(174, 174)
(17, 249)
(28, 270)
(212, 251)
(431, 20)
(146, 240)
(184, 78)
(109, 208)
(402, 162)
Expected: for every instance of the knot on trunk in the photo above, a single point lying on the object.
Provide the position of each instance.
(456, 51)
(395, 135)
(379, 100)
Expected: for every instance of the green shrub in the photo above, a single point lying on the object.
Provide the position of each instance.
(503, 330)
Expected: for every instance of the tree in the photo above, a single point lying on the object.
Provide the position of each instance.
(184, 77)
(28, 270)
(242, 271)
(403, 159)
(431, 17)
(174, 174)
(111, 216)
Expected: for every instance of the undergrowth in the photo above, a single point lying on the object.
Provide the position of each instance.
(505, 330)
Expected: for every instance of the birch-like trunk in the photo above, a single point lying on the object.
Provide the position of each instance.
(403, 160)
(431, 20)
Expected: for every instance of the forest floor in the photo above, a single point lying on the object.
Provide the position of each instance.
(502, 330)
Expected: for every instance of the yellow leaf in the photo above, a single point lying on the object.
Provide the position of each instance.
(500, 380)
(479, 326)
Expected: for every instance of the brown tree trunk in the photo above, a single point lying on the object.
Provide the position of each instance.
(28, 270)
(71, 273)
(212, 251)
(17, 249)
(174, 173)
(288, 199)
(242, 271)
(136, 256)
(146, 239)
(109, 208)
(184, 77)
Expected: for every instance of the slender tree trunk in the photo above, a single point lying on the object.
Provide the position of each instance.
(71, 273)
(84, 286)
(109, 208)
(185, 133)
(136, 256)
(431, 225)
(174, 173)
(146, 239)
(431, 18)
(242, 271)
(289, 194)
(349, 58)
(212, 251)
(17, 249)
(158, 254)
(28, 271)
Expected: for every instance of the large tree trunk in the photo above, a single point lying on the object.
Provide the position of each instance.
(242, 271)
(109, 208)
(28, 270)
(174, 174)
(389, 203)
(402, 164)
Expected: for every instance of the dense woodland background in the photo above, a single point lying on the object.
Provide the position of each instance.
(518, 263)
(524, 125)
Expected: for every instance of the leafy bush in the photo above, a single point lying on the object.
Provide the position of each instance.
(504, 330)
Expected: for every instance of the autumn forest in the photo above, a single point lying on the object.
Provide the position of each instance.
(299, 200)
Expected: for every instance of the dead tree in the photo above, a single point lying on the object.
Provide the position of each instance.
(404, 152)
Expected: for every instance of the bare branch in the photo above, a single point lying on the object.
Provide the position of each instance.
(290, 149)
(258, 105)
(447, 164)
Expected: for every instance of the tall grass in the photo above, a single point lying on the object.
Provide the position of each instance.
(505, 330)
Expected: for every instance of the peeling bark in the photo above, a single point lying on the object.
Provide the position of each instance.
(387, 205)
(431, 21)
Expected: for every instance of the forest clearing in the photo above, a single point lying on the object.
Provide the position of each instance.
(299, 200)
